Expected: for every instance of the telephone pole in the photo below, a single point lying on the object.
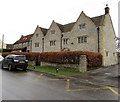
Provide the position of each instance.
(2, 43)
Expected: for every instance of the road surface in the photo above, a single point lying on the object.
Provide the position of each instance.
(20, 85)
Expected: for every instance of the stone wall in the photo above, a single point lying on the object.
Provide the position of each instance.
(108, 43)
(82, 66)
(33, 63)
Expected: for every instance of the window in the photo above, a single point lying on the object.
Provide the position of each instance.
(52, 31)
(107, 53)
(37, 44)
(52, 43)
(113, 54)
(22, 45)
(20, 58)
(24, 38)
(82, 39)
(82, 26)
(37, 35)
(28, 43)
(65, 41)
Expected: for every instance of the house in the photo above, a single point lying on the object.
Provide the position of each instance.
(9, 46)
(94, 34)
(2, 44)
(86, 34)
(23, 44)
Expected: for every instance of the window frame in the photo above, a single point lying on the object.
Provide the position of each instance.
(52, 31)
(107, 53)
(52, 42)
(82, 26)
(36, 35)
(82, 39)
(65, 41)
(37, 44)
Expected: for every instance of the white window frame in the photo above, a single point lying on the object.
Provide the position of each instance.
(82, 39)
(53, 43)
(65, 41)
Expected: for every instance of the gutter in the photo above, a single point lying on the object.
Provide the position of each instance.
(98, 31)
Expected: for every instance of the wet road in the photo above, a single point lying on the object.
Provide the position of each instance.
(20, 85)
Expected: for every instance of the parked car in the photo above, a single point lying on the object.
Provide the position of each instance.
(15, 61)
(1, 58)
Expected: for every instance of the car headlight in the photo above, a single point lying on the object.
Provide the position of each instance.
(16, 60)
(26, 60)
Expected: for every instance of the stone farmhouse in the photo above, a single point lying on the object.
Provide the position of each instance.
(94, 34)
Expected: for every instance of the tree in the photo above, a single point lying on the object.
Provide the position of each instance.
(118, 44)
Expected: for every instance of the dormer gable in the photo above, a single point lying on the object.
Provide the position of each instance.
(39, 31)
(83, 22)
(54, 28)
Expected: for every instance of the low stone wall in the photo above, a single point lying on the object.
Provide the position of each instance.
(82, 66)
(33, 63)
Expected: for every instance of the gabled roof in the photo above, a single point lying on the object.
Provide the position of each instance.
(24, 39)
(66, 27)
(44, 30)
(98, 20)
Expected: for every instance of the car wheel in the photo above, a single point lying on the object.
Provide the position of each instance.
(2, 66)
(10, 67)
(24, 69)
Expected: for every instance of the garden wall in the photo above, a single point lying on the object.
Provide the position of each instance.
(82, 66)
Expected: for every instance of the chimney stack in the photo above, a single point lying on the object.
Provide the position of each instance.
(107, 9)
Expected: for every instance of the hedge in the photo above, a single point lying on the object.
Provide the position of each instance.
(93, 59)
(5, 50)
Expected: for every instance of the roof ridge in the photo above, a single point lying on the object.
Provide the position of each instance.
(98, 16)
(66, 27)
(98, 20)
(69, 23)
(43, 28)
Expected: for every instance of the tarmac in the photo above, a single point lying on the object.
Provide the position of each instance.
(104, 76)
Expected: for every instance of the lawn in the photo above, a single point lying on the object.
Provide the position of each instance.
(54, 71)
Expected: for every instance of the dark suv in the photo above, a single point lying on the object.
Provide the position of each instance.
(15, 61)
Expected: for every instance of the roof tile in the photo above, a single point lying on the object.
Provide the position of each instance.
(24, 39)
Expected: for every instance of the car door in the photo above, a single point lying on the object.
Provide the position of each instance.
(6, 61)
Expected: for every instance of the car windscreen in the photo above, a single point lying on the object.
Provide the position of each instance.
(20, 58)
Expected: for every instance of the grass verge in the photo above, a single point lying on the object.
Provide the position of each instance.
(53, 70)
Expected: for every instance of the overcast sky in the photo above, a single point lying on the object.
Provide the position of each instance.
(20, 17)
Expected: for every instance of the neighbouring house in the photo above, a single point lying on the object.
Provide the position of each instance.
(23, 44)
(9, 46)
(2, 44)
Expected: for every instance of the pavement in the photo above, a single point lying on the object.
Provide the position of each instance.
(104, 76)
